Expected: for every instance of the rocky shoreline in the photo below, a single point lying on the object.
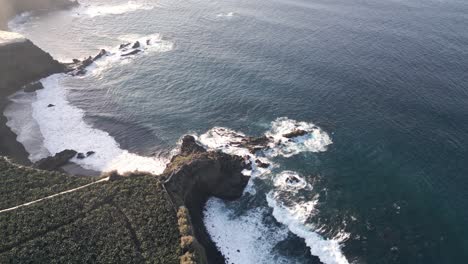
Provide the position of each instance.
(191, 177)
(196, 174)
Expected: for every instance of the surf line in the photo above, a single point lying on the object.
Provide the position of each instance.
(52, 196)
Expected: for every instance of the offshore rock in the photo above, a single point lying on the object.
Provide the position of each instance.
(295, 133)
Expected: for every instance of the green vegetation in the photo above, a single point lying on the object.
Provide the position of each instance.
(20, 185)
(193, 251)
(126, 220)
(178, 161)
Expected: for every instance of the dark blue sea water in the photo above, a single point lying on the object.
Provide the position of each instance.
(386, 80)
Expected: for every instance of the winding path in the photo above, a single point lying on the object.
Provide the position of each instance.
(52, 196)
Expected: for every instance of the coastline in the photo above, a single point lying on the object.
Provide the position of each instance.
(9, 146)
(35, 64)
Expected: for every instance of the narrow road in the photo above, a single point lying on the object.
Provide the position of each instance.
(52, 196)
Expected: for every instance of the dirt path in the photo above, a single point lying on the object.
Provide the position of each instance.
(52, 196)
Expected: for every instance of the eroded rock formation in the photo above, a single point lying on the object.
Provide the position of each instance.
(196, 174)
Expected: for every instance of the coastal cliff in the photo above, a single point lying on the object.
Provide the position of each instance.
(21, 62)
(196, 174)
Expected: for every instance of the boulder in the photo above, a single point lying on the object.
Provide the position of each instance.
(261, 164)
(189, 146)
(50, 105)
(80, 156)
(295, 133)
(254, 144)
(101, 54)
(89, 153)
(55, 162)
(136, 45)
(124, 45)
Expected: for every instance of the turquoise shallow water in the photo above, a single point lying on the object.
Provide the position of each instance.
(386, 80)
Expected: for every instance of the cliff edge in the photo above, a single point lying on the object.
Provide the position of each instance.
(196, 174)
(21, 62)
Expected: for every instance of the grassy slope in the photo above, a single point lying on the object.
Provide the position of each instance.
(130, 220)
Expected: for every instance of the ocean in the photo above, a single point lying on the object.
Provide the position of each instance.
(381, 85)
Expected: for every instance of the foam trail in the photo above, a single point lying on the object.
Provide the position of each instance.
(295, 218)
(93, 10)
(63, 127)
(147, 44)
(242, 239)
(316, 140)
(291, 181)
(227, 15)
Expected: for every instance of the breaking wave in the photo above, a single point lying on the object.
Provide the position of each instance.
(230, 232)
(63, 127)
(295, 218)
(93, 10)
(122, 54)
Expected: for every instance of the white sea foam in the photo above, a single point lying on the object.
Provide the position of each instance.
(290, 180)
(242, 239)
(63, 127)
(295, 218)
(21, 122)
(17, 24)
(94, 10)
(316, 140)
(225, 139)
(227, 15)
(147, 44)
(249, 230)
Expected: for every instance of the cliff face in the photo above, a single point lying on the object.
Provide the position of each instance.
(21, 62)
(10, 8)
(197, 174)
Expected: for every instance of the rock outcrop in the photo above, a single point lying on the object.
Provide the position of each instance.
(22, 62)
(55, 162)
(196, 174)
(78, 67)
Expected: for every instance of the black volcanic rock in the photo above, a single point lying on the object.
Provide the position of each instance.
(80, 156)
(124, 45)
(56, 161)
(101, 54)
(295, 133)
(254, 144)
(261, 164)
(189, 146)
(136, 45)
(196, 174)
(78, 67)
(50, 105)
